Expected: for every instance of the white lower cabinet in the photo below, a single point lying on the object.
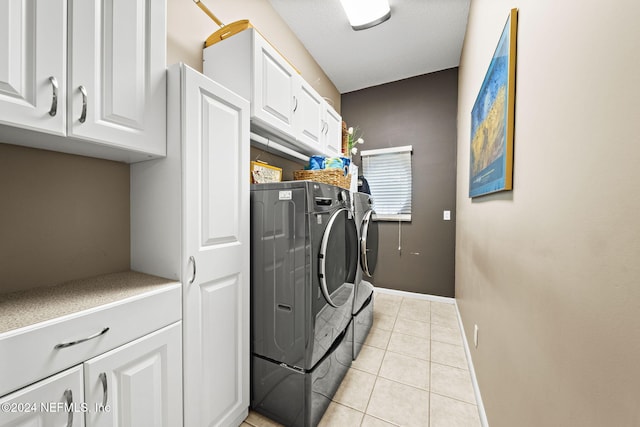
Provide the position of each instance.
(137, 384)
(53, 402)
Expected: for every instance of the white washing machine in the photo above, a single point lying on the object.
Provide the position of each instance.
(363, 291)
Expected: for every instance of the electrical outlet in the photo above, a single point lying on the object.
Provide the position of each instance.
(475, 335)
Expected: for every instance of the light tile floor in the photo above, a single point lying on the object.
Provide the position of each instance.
(412, 371)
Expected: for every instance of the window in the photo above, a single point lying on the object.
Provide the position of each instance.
(388, 172)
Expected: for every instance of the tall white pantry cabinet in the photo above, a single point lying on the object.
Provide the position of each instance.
(190, 221)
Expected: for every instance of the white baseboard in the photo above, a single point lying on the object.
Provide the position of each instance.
(416, 295)
(476, 387)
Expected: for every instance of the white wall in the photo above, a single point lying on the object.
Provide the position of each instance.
(550, 272)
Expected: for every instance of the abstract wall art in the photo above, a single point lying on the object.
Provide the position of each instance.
(492, 119)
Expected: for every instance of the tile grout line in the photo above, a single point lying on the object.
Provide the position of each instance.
(430, 324)
(376, 379)
(395, 317)
(455, 398)
(429, 340)
(369, 399)
(378, 375)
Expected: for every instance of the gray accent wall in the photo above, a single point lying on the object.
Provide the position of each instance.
(419, 111)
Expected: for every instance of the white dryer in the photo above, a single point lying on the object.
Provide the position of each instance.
(363, 291)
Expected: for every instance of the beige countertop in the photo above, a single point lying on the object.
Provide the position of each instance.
(24, 308)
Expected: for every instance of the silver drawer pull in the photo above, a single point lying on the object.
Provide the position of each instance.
(54, 99)
(83, 115)
(69, 397)
(103, 379)
(69, 344)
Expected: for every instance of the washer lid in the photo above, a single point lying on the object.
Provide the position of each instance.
(338, 257)
(369, 243)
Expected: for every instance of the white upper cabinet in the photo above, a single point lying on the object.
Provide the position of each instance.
(308, 109)
(117, 56)
(273, 89)
(90, 72)
(33, 51)
(332, 132)
(283, 104)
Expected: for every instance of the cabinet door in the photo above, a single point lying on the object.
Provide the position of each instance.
(273, 89)
(216, 249)
(333, 132)
(117, 85)
(308, 108)
(32, 64)
(53, 402)
(137, 384)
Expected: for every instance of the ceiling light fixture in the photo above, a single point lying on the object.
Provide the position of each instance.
(363, 14)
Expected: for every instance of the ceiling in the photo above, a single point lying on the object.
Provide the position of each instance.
(422, 36)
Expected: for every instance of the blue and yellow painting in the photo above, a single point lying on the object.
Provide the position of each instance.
(489, 164)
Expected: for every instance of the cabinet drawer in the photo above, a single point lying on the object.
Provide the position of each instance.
(34, 352)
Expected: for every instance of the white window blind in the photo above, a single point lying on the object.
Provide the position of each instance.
(388, 173)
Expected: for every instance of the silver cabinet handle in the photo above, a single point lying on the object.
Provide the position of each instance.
(192, 260)
(69, 344)
(295, 104)
(54, 99)
(103, 380)
(83, 115)
(68, 395)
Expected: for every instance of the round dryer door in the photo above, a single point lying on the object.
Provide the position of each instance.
(369, 243)
(338, 257)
